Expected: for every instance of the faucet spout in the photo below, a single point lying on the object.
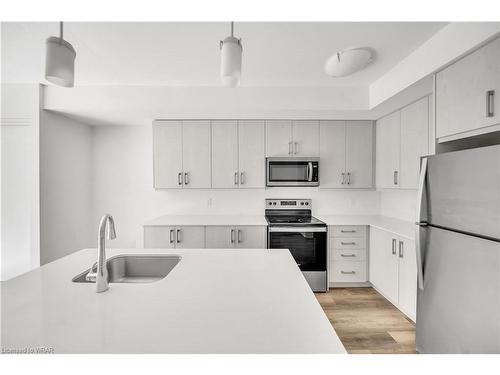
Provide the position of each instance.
(102, 271)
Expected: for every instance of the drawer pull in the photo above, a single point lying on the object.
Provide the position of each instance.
(347, 231)
(348, 255)
(348, 272)
(348, 243)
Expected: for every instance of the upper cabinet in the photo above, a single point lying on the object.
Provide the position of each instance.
(468, 94)
(181, 154)
(238, 154)
(346, 154)
(401, 139)
(292, 138)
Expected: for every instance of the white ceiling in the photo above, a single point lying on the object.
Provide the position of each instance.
(187, 54)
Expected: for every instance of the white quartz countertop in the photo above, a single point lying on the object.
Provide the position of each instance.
(400, 227)
(207, 220)
(213, 301)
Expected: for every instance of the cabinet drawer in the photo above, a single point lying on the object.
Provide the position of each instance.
(346, 271)
(348, 231)
(349, 243)
(350, 255)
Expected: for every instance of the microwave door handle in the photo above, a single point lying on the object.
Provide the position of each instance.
(309, 171)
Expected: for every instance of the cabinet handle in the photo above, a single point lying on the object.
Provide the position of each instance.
(232, 235)
(171, 236)
(343, 178)
(186, 178)
(394, 246)
(348, 178)
(179, 178)
(239, 236)
(348, 243)
(395, 177)
(490, 103)
(178, 236)
(400, 249)
(347, 231)
(348, 272)
(296, 147)
(236, 178)
(242, 178)
(289, 148)
(348, 255)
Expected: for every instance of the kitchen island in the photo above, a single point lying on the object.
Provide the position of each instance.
(213, 301)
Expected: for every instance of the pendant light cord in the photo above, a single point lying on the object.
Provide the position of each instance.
(232, 29)
(60, 32)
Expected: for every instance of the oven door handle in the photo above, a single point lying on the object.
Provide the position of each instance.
(296, 230)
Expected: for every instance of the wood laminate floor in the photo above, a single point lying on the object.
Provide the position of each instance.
(366, 322)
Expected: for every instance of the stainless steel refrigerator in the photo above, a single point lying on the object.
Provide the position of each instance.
(458, 252)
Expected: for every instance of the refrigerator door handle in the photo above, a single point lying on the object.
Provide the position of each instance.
(420, 224)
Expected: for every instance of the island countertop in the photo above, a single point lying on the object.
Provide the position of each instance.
(213, 301)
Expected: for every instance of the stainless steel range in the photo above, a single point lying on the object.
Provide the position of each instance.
(291, 226)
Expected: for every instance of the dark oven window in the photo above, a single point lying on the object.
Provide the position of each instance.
(288, 171)
(307, 248)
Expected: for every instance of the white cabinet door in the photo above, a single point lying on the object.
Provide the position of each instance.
(279, 138)
(159, 237)
(252, 161)
(220, 237)
(414, 141)
(387, 150)
(359, 154)
(190, 237)
(251, 237)
(225, 154)
(383, 263)
(305, 137)
(167, 154)
(332, 153)
(461, 92)
(407, 299)
(196, 154)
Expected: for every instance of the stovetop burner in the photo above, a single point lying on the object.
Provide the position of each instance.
(290, 212)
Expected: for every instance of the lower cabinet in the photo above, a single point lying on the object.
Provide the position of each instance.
(393, 269)
(243, 237)
(169, 237)
(347, 254)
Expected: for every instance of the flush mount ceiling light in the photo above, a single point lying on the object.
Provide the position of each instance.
(60, 60)
(230, 62)
(348, 61)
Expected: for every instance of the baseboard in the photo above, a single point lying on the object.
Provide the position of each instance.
(350, 285)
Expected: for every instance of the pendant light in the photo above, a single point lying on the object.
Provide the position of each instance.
(60, 60)
(230, 63)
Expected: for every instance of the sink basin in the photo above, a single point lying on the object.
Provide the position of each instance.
(135, 268)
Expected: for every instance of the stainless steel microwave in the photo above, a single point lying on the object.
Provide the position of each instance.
(288, 171)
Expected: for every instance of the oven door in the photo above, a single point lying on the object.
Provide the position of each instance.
(292, 172)
(307, 245)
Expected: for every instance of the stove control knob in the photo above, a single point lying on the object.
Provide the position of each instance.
(270, 203)
(301, 203)
(307, 203)
(274, 203)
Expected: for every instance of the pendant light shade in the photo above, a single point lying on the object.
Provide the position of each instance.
(60, 61)
(230, 66)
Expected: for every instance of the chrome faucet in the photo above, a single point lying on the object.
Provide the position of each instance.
(100, 275)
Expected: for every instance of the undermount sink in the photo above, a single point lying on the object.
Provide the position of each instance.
(135, 268)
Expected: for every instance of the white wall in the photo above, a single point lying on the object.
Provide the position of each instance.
(65, 186)
(400, 204)
(123, 186)
(19, 203)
